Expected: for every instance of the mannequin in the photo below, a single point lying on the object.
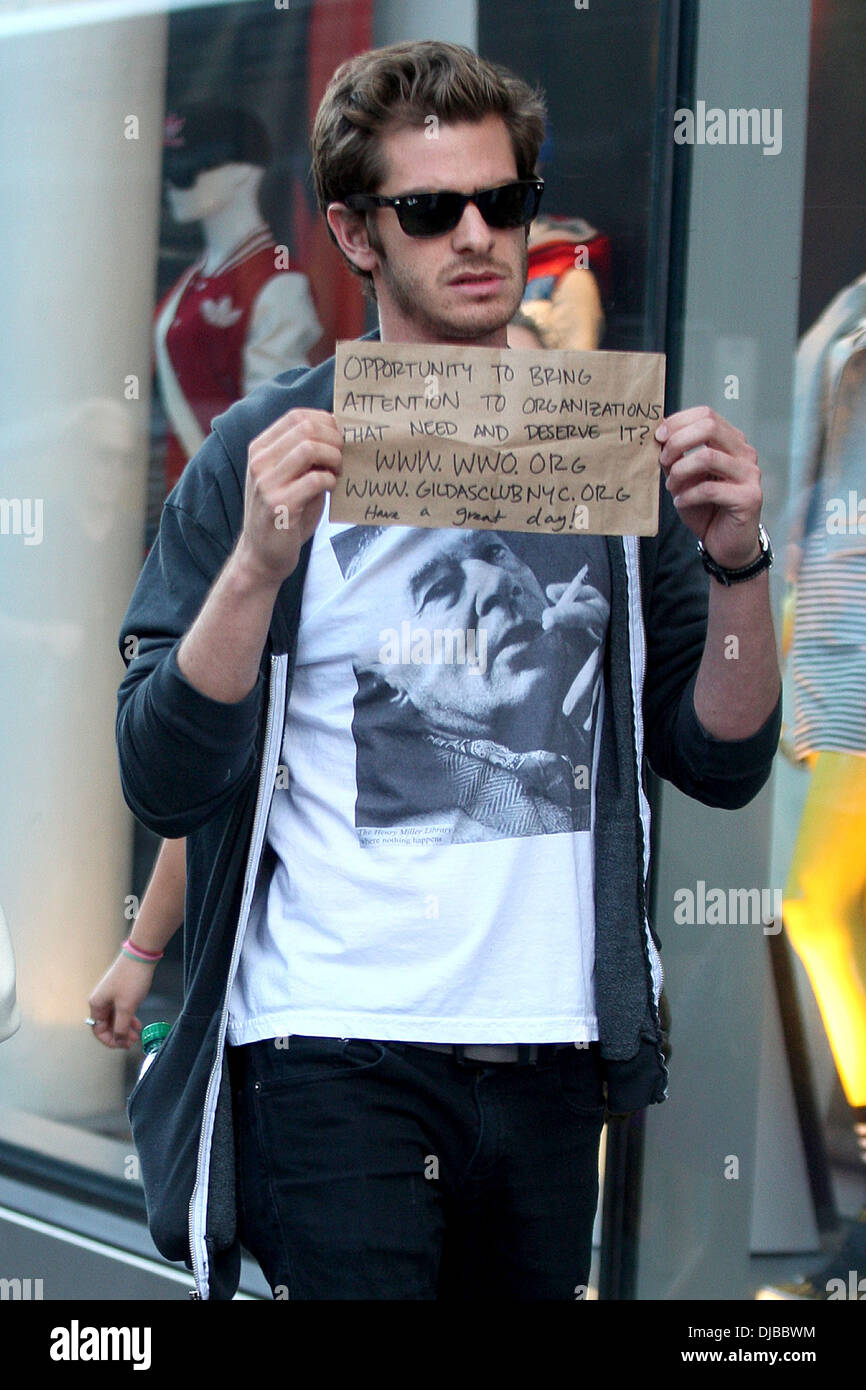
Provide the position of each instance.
(567, 261)
(238, 316)
(562, 295)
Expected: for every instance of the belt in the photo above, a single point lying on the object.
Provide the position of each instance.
(522, 1053)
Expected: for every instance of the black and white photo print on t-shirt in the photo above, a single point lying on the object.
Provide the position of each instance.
(479, 681)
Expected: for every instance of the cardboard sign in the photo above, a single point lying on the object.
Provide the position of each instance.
(498, 438)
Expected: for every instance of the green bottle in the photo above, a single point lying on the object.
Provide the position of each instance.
(152, 1039)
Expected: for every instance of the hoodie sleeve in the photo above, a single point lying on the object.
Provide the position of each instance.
(718, 772)
(182, 755)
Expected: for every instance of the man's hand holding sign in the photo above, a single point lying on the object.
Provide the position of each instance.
(713, 476)
(290, 467)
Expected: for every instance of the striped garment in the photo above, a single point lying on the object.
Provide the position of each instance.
(829, 649)
(829, 655)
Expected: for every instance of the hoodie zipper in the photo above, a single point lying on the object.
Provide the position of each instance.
(270, 755)
(637, 659)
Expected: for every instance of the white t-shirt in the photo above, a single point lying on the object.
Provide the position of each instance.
(431, 826)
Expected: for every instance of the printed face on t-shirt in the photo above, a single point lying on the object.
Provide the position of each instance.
(454, 623)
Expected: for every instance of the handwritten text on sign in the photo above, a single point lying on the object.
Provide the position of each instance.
(519, 440)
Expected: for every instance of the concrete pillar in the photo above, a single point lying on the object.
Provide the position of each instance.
(81, 108)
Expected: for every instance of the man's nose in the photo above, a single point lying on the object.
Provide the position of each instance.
(472, 232)
(490, 586)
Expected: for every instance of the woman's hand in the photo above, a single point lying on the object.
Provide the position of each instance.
(116, 998)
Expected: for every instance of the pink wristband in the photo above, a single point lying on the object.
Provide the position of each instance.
(136, 953)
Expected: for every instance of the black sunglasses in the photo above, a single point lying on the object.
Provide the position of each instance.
(433, 214)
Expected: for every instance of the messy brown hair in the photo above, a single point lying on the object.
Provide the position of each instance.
(404, 84)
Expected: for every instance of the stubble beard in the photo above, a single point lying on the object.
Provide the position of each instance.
(411, 296)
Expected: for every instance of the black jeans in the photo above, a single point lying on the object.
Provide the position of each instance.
(382, 1170)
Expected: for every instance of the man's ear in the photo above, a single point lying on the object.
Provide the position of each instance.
(350, 230)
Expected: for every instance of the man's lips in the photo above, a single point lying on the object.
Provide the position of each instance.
(519, 635)
(487, 279)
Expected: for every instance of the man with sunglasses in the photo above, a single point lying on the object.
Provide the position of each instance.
(394, 1059)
